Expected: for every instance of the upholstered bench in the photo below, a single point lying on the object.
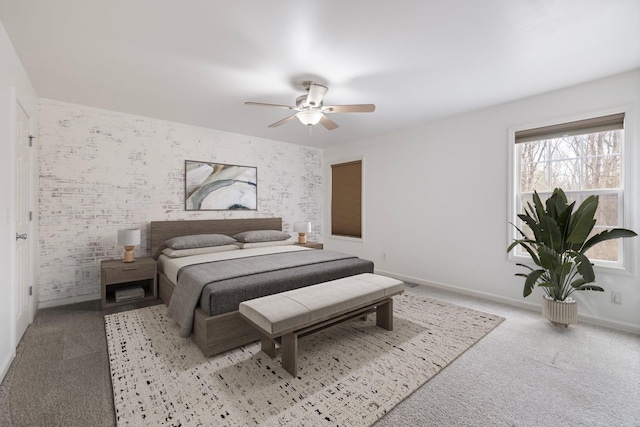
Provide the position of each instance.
(286, 316)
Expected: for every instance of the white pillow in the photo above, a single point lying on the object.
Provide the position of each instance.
(178, 253)
(242, 245)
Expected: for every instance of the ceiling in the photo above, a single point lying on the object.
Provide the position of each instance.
(198, 61)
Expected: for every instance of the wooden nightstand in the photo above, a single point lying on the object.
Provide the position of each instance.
(312, 245)
(116, 273)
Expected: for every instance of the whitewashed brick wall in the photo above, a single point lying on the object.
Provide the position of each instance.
(101, 171)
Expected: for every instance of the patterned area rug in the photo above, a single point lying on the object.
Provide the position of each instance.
(349, 375)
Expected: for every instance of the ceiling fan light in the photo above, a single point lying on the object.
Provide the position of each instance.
(309, 118)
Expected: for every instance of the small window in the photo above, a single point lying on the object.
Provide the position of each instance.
(583, 157)
(346, 199)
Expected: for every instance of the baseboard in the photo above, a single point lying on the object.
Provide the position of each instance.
(464, 291)
(6, 363)
(67, 301)
(613, 324)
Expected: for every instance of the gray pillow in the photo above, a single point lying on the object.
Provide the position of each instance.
(199, 241)
(261, 236)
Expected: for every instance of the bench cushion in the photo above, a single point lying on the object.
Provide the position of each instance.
(287, 310)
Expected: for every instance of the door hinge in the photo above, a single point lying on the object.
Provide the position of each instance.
(31, 140)
(30, 290)
(30, 216)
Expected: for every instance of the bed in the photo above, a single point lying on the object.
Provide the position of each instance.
(216, 326)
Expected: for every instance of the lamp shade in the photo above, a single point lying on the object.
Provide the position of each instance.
(310, 117)
(302, 227)
(130, 237)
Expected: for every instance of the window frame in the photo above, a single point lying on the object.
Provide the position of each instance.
(360, 239)
(626, 264)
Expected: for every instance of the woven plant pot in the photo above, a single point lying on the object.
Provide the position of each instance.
(560, 312)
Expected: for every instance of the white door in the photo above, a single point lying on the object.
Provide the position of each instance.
(23, 273)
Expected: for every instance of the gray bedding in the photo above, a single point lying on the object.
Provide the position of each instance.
(219, 287)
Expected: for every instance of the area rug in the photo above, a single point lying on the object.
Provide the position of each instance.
(349, 375)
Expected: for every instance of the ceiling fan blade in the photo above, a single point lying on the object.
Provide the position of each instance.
(328, 123)
(355, 108)
(262, 104)
(283, 121)
(316, 93)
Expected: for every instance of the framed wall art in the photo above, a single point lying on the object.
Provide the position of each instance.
(218, 186)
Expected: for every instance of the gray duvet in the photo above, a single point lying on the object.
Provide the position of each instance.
(220, 286)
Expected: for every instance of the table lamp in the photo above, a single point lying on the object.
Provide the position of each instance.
(128, 238)
(302, 228)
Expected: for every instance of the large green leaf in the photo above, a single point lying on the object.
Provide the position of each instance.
(533, 224)
(530, 251)
(550, 233)
(552, 210)
(564, 222)
(578, 282)
(519, 231)
(590, 287)
(562, 271)
(583, 221)
(579, 233)
(530, 282)
(584, 266)
(556, 204)
(561, 195)
(538, 204)
(530, 211)
(525, 266)
(615, 233)
(549, 259)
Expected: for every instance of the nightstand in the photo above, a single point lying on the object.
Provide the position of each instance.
(116, 274)
(312, 245)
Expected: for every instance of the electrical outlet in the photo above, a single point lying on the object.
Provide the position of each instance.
(384, 256)
(616, 297)
(86, 274)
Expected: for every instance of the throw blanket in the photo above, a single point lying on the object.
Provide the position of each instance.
(193, 279)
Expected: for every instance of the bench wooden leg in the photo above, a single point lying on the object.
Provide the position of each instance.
(289, 348)
(268, 346)
(384, 315)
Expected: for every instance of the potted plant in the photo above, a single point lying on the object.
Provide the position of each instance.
(560, 238)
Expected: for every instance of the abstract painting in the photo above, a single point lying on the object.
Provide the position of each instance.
(218, 186)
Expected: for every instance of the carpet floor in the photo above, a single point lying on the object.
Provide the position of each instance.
(526, 372)
(348, 375)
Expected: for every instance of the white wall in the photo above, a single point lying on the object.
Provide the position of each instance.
(101, 171)
(14, 82)
(436, 199)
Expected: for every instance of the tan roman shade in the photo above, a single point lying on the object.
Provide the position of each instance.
(346, 199)
(580, 127)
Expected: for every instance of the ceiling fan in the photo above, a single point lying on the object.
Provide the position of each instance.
(311, 110)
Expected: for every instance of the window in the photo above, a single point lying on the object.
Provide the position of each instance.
(583, 158)
(346, 199)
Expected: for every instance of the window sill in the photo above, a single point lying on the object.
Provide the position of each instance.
(348, 239)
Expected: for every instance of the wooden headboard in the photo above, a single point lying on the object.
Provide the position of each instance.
(161, 231)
